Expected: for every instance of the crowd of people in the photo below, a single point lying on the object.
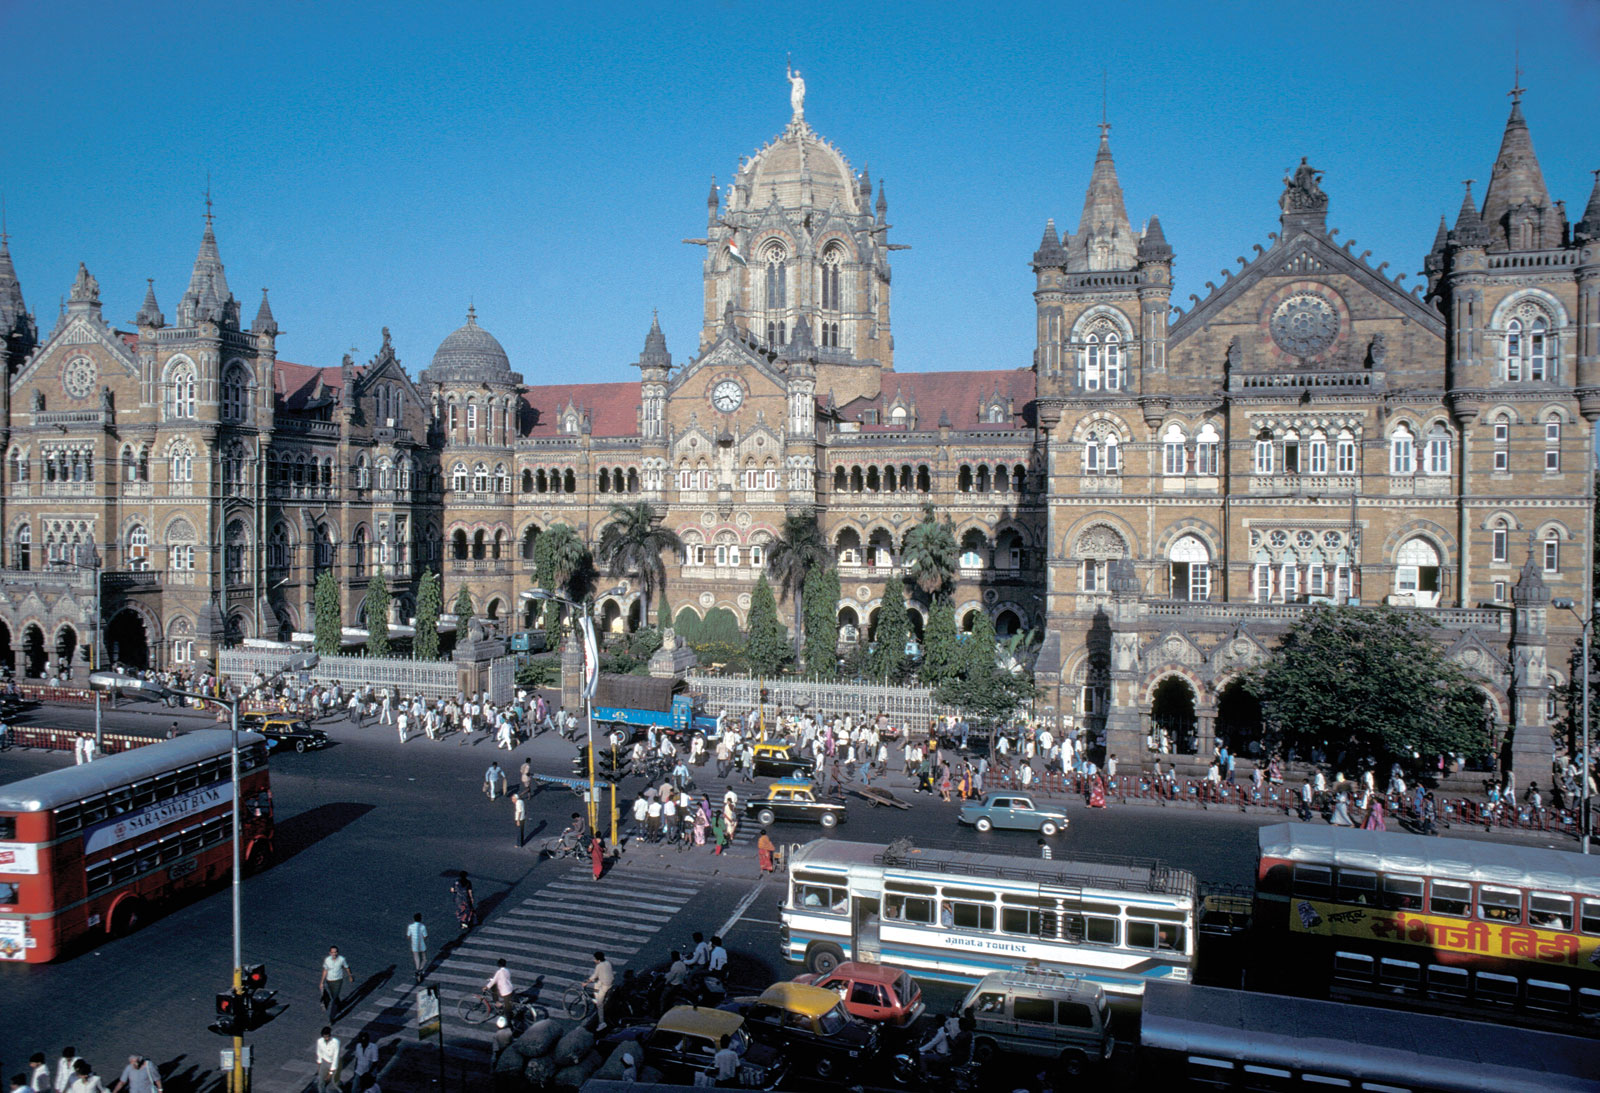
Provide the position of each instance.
(74, 1074)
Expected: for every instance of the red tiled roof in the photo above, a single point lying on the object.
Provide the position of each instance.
(613, 408)
(956, 394)
(296, 383)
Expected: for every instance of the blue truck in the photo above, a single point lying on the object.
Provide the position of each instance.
(629, 706)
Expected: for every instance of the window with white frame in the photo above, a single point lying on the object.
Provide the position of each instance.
(1316, 580)
(480, 478)
(1341, 583)
(1290, 582)
(1100, 363)
(1264, 455)
(1552, 444)
(181, 463)
(181, 557)
(1502, 444)
(1500, 541)
(1530, 346)
(1416, 571)
(1552, 552)
(1093, 577)
(472, 421)
(1189, 564)
(458, 477)
(1317, 454)
(1263, 582)
(1499, 591)
(1402, 451)
(1344, 454)
(1172, 451)
(758, 555)
(183, 390)
(1205, 451)
(1437, 458)
(1291, 452)
(138, 548)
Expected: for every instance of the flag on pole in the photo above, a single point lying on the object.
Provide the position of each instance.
(733, 252)
(591, 659)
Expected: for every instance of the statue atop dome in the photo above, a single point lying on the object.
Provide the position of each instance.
(797, 92)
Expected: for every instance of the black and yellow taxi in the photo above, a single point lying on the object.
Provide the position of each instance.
(776, 759)
(811, 1026)
(284, 730)
(686, 1038)
(796, 799)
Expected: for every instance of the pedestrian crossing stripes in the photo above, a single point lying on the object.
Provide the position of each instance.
(547, 941)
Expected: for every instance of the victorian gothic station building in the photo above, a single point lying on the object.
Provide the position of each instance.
(1160, 491)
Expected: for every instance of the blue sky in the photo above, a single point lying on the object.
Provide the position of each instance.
(385, 164)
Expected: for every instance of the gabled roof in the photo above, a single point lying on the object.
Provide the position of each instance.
(297, 384)
(956, 395)
(613, 408)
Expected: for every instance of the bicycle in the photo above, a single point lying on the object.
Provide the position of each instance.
(476, 1009)
(564, 845)
(578, 1001)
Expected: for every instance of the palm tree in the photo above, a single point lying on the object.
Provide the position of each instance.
(568, 559)
(800, 549)
(632, 545)
(930, 555)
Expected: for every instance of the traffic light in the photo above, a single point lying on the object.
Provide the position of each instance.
(231, 1009)
(609, 765)
(255, 977)
(764, 694)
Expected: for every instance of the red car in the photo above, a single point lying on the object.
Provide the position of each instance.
(873, 992)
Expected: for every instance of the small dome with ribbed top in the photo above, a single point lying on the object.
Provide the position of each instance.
(471, 355)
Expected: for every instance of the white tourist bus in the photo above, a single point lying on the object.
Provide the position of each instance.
(955, 915)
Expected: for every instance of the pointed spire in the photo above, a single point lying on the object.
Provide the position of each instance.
(866, 185)
(1050, 253)
(1104, 239)
(801, 346)
(266, 324)
(883, 203)
(1469, 230)
(712, 199)
(1588, 228)
(655, 353)
(1440, 237)
(12, 309)
(1516, 181)
(1154, 247)
(150, 311)
(85, 289)
(206, 276)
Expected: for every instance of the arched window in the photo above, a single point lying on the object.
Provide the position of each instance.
(1402, 451)
(777, 296)
(23, 559)
(1552, 444)
(182, 387)
(1416, 572)
(472, 422)
(358, 553)
(1529, 346)
(363, 474)
(1502, 443)
(458, 477)
(1552, 551)
(1344, 453)
(235, 393)
(502, 479)
(1173, 456)
(973, 548)
(1436, 461)
(405, 472)
(1089, 364)
(138, 548)
(181, 465)
(480, 478)
(458, 545)
(1500, 541)
(1265, 454)
(831, 262)
(1317, 453)
(1189, 564)
(235, 552)
(1113, 362)
(527, 481)
(278, 549)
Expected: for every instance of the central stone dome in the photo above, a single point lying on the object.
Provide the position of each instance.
(783, 166)
(471, 355)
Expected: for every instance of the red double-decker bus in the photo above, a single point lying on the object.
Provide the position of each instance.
(94, 849)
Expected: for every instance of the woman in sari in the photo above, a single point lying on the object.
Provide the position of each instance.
(719, 833)
(764, 849)
(466, 903)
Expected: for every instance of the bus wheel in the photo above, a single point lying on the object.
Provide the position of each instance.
(822, 959)
(124, 918)
(1073, 1064)
(984, 1051)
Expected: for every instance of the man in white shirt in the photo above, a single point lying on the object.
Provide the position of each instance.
(366, 1060)
(417, 938)
(69, 1059)
(335, 974)
(327, 1060)
(718, 960)
(500, 985)
(38, 1074)
(139, 1076)
(602, 977)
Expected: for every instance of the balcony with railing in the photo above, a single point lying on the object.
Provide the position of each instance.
(1229, 614)
(1304, 485)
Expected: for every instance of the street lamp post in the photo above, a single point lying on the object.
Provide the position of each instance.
(1567, 604)
(116, 682)
(98, 567)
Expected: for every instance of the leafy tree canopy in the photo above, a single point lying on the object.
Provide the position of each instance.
(822, 622)
(768, 646)
(985, 689)
(887, 661)
(799, 551)
(325, 612)
(942, 653)
(377, 616)
(930, 555)
(1370, 687)
(463, 608)
(425, 646)
(631, 545)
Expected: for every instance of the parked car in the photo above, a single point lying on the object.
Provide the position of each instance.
(779, 760)
(285, 731)
(686, 1037)
(1015, 812)
(873, 992)
(809, 1025)
(1043, 1012)
(796, 799)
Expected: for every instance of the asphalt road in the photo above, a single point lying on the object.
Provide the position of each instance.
(370, 832)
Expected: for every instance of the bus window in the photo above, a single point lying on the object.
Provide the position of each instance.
(1550, 997)
(1549, 910)
(917, 909)
(8, 827)
(1357, 968)
(1151, 935)
(1446, 982)
(816, 897)
(1451, 898)
(1399, 976)
(1357, 886)
(972, 916)
(1090, 929)
(8, 894)
(1499, 904)
(1499, 989)
(1402, 893)
(1027, 916)
(1209, 1072)
(1322, 1081)
(1589, 923)
(1313, 881)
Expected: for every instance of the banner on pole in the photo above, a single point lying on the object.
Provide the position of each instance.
(591, 659)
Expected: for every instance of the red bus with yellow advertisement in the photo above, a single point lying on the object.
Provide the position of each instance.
(1470, 928)
(91, 850)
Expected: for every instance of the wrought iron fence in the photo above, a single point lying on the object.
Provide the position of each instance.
(430, 679)
(502, 679)
(908, 707)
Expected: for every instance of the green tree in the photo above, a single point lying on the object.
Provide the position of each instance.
(887, 660)
(793, 556)
(767, 647)
(985, 688)
(821, 594)
(425, 646)
(941, 651)
(663, 612)
(463, 609)
(377, 616)
(631, 546)
(1369, 686)
(561, 562)
(930, 555)
(325, 611)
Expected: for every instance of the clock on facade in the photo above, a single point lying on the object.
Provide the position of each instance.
(78, 377)
(727, 396)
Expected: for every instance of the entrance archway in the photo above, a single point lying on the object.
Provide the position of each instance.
(1172, 713)
(33, 652)
(1007, 623)
(493, 610)
(126, 641)
(610, 617)
(633, 615)
(1239, 721)
(66, 647)
(849, 625)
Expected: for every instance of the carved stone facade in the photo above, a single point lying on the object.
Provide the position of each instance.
(1161, 490)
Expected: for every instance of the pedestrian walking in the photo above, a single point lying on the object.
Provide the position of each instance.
(1044, 850)
(601, 979)
(466, 903)
(519, 813)
(764, 851)
(525, 775)
(417, 940)
(327, 1060)
(335, 974)
(19, 1083)
(37, 1079)
(365, 1058)
(494, 780)
(84, 1079)
(139, 1076)
(719, 833)
(64, 1068)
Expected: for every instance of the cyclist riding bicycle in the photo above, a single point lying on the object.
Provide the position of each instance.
(499, 985)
